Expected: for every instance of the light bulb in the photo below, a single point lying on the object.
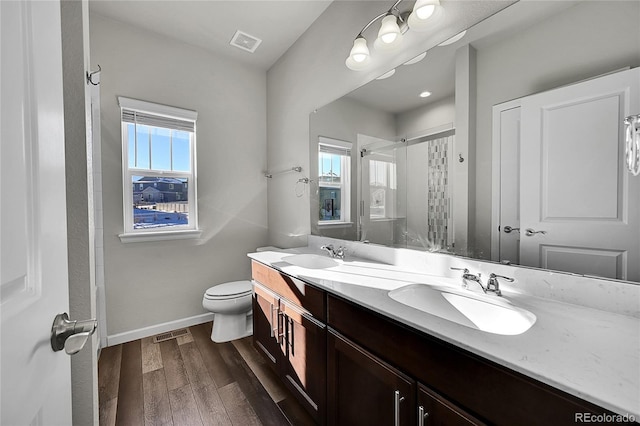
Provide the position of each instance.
(389, 38)
(389, 30)
(426, 11)
(389, 35)
(359, 56)
(423, 10)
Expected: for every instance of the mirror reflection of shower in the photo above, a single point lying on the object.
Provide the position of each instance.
(404, 196)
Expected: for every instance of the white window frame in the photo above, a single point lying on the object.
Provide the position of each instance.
(345, 183)
(174, 232)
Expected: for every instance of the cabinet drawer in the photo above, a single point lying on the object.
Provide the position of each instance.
(292, 289)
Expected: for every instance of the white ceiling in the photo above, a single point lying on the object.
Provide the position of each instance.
(210, 24)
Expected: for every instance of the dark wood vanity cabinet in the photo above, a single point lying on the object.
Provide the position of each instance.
(476, 388)
(364, 390)
(290, 336)
(266, 326)
(348, 365)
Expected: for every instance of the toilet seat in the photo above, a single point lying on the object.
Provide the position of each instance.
(231, 290)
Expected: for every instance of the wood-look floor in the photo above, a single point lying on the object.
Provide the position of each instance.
(192, 381)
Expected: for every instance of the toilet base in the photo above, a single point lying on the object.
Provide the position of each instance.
(231, 327)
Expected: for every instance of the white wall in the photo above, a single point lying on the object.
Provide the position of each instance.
(152, 283)
(586, 40)
(312, 73)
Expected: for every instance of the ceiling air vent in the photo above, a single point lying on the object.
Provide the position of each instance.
(245, 41)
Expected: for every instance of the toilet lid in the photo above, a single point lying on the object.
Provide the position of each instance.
(229, 290)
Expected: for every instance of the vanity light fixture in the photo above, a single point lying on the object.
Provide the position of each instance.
(394, 24)
(425, 94)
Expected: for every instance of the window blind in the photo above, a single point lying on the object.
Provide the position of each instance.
(138, 117)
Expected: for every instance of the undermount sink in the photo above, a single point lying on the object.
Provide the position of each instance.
(489, 313)
(310, 261)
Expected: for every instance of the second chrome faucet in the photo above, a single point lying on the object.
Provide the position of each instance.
(333, 252)
(493, 285)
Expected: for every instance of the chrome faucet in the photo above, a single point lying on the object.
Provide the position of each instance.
(466, 276)
(333, 252)
(494, 286)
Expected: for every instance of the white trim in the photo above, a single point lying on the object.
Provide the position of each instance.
(334, 224)
(495, 175)
(335, 142)
(158, 109)
(140, 333)
(143, 237)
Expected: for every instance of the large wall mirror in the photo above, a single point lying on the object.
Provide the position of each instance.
(515, 156)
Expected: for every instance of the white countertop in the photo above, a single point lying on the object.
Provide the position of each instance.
(589, 353)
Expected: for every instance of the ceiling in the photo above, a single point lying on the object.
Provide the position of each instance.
(210, 24)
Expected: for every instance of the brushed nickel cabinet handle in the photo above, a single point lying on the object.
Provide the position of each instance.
(422, 415)
(397, 399)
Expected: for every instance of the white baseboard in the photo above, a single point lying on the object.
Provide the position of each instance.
(129, 336)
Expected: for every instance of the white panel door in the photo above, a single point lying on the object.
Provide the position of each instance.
(36, 381)
(574, 186)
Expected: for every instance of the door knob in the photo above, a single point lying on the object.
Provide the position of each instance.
(530, 232)
(508, 229)
(70, 335)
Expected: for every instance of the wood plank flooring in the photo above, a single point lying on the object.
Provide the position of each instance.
(192, 381)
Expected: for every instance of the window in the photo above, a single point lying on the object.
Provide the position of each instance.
(382, 184)
(334, 180)
(158, 156)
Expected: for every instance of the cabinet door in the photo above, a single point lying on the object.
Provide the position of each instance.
(266, 324)
(304, 371)
(364, 390)
(433, 410)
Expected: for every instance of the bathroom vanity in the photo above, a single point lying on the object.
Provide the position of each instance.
(353, 355)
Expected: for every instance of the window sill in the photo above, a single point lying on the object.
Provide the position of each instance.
(143, 237)
(334, 224)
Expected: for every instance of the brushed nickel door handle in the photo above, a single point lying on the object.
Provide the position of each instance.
(509, 229)
(70, 335)
(530, 232)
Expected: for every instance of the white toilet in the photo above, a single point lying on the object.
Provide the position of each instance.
(231, 304)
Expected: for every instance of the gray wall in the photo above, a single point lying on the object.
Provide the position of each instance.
(543, 57)
(311, 74)
(152, 283)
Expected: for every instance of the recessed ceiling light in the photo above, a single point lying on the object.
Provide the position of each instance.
(416, 59)
(245, 41)
(387, 74)
(424, 94)
(453, 39)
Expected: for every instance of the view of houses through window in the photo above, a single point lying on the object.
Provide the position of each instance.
(160, 202)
